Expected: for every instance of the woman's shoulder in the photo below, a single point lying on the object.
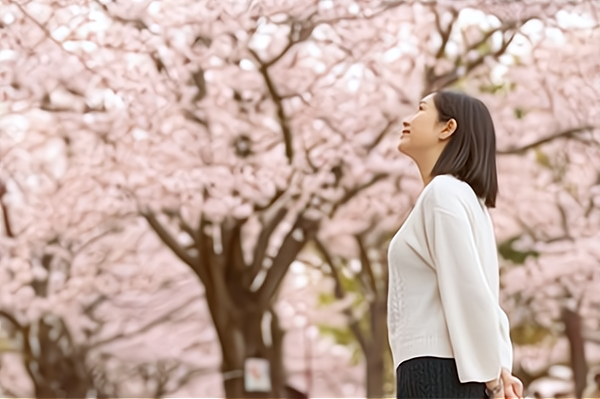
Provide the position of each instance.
(448, 193)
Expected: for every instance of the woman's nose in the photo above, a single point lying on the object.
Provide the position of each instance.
(405, 123)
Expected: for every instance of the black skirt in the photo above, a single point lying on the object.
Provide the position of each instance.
(434, 378)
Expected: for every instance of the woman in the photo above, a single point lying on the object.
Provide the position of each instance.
(448, 334)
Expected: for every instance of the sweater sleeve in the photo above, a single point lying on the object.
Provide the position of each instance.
(470, 307)
(506, 345)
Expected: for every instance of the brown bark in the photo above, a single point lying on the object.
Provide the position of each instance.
(237, 309)
(55, 370)
(244, 339)
(372, 339)
(375, 361)
(572, 322)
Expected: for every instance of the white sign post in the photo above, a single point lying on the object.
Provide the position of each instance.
(257, 376)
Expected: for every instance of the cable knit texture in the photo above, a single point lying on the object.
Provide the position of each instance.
(434, 378)
(444, 284)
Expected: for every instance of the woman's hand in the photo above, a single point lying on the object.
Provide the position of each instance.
(500, 394)
(513, 387)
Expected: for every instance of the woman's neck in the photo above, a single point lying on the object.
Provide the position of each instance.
(426, 162)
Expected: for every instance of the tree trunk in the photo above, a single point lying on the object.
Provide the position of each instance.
(57, 368)
(252, 342)
(239, 311)
(250, 334)
(375, 356)
(572, 323)
(375, 374)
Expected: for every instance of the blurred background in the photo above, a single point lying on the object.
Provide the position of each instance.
(197, 196)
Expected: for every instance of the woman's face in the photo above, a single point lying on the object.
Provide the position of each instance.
(420, 131)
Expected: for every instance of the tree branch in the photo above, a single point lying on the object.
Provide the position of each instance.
(437, 82)
(172, 243)
(302, 31)
(366, 268)
(444, 33)
(159, 320)
(136, 23)
(388, 6)
(51, 38)
(6, 218)
(274, 199)
(288, 252)
(12, 321)
(232, 251)
(262, 244)
(381, 135)
(351, 193)
(561, 134)
(27, 352)
(183, 225)
(340, 293)
(278, 101)
(338, 290)
(218, 298)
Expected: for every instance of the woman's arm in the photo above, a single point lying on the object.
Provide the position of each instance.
(470, 306)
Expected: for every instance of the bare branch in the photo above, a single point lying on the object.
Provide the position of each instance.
(233, 253)
(353, 192)
(561, 134)
(12, 320)
(299, 32)
(262, 244)
(381, 135)
(387, 6)
(340, 293)
(444, 33)
(158, 320)
(288, 252)
(172, 243)
(338, 290)
(50, 37)
(5, 217)
(436, 82)
(135, 22)
(278, 101)
(366, 267)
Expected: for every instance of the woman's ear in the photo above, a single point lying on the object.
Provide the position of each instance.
(448, 129)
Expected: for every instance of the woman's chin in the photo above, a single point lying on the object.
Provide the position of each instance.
(402, 147)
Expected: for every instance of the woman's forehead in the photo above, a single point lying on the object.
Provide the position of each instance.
(428, 98)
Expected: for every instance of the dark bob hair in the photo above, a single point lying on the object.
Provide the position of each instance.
(470, 155)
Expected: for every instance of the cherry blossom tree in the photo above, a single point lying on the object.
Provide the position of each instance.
(78, 113)
(243, 131)
(547, 223)
(473, 55)
(279, 204)
(62, 312)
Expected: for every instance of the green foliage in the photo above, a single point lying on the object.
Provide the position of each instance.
(520, 113)
(542, 159)
(350, 282)
(507, 250)
(495, 88)
(485, 48)
(343, 336)
(325, 299)
(389, 384)
(529, 333)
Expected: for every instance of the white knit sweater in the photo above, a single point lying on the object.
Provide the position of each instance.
(444, 284)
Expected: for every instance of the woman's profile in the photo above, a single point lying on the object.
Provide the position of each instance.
(448, 334)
